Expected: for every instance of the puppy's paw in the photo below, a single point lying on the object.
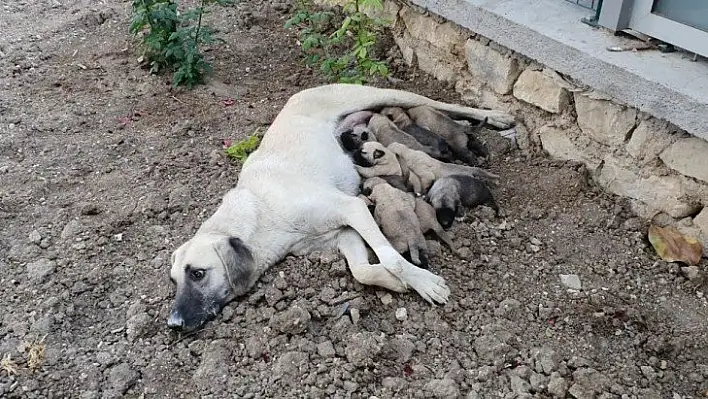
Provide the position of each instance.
(500, 119)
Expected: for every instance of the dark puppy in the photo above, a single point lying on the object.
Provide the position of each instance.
(386, 133)
(462, 139)
(399, 117)
(353, 138)
(448, 193)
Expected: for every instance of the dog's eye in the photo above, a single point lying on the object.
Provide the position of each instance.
(197, 274)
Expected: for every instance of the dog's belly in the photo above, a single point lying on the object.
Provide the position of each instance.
(326, 242)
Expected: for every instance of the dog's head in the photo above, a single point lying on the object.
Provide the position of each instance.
(445, 198)
(397, 115)
(209, 271)
(353, 138)
(368, 186)
(373, 153)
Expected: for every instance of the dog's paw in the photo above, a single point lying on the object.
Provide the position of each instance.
(430, 286)
(500, 119)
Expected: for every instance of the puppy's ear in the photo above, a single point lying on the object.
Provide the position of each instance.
(239, 264)
(378, 154)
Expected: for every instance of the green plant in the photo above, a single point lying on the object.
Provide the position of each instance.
(240, 150)
(344, 54)
(171, 39)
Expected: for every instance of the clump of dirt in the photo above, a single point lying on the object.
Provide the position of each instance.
(106, 169)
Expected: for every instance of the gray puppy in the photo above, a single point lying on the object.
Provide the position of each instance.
(395, 213)
(451, 192)
(399, 118)
(386, 133)
(462, 139)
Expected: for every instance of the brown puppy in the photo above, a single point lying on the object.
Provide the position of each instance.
(386, 133)
(399, 118)
(395, 213)
(375, 160)
(428, 169)
(462, 139)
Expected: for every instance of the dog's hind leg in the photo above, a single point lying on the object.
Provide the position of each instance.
(352, 246)
(352, 212)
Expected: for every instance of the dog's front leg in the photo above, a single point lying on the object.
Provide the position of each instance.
(352, 246)
(354, 213)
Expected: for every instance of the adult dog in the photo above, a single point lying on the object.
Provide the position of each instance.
(297, 193)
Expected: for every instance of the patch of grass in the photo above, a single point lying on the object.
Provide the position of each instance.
(342, 50)
(240, 150)
(170, 38)
(35, 355)
(8, 365)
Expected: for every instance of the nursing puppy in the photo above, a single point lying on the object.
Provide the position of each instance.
(427, 169)
(394, 212)
(352, 139)
(449, 193)
(402, 121)
(462, 139)
(297, 193)
(429, 222)
(386, 133)
(375, 160)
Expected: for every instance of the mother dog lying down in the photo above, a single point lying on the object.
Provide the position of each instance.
(297, 194)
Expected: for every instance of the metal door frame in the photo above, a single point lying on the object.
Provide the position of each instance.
(637, 14)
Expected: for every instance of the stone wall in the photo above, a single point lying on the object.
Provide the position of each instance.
(661, 169)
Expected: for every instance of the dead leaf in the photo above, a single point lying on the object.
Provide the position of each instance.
(672, 246)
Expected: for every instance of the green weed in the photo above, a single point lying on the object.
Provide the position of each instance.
(240, 150)
(170, 39)
(340, 45)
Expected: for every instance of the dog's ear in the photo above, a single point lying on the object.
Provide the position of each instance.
(378, 154)
(239, 264)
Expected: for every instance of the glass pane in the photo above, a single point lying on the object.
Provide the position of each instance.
(688, 12)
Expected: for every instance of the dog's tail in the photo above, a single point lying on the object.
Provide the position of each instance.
(334, 101)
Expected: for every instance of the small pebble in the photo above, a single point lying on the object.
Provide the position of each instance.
(401, 314)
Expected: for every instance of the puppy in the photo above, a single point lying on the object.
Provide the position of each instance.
(352, 139)
(427, 169)
(428, 221)
(375, 160)
(462, 139)
(386, 133)
(395, 213)
(450, 192)
(399, 118)
(351, 120)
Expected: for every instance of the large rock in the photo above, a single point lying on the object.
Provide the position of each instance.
(543, 90)
(649, 139)
(437, 63)
(659, 193)
(388, 12)
(40, 269)
(604, 121)
(565, 145)
(406, 44)
(498, 71)
(419, 26)
(688, 156)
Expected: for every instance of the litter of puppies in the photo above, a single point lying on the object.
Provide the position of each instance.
(411, 182)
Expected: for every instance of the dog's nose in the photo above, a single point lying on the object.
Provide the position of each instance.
(175, 321)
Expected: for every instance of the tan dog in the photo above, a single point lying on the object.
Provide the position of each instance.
(297, 194)
(375, 160)
(427, 169)
(395, 213)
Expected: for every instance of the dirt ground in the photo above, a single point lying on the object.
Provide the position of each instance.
(105, 170)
